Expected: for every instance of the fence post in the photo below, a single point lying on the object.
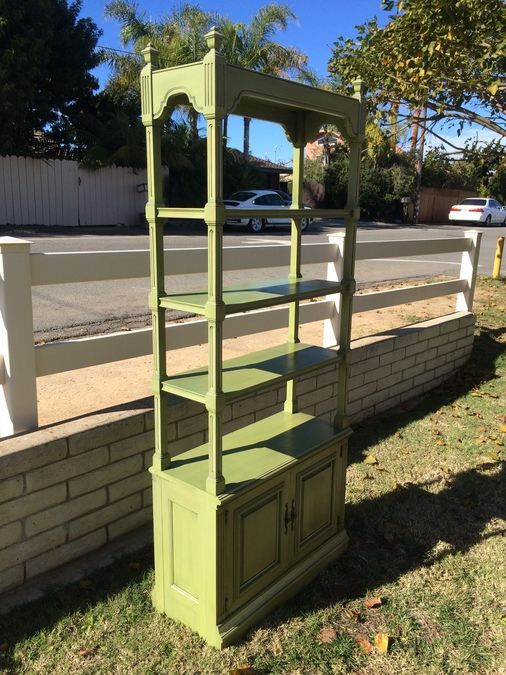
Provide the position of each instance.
(468, 271)
(331, 326)
(18, 393)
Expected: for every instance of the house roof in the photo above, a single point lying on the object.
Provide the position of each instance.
(264, 165)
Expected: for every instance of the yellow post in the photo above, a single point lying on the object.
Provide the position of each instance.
(498, 258)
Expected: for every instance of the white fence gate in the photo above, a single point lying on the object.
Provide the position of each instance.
(60, 192)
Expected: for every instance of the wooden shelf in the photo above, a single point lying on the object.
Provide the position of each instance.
(253, 371)
(246, 297)
(257, 450)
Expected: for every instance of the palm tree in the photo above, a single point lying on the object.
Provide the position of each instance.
(179, 38)
(251, 46)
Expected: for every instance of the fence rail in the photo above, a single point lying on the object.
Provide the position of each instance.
(20, 270)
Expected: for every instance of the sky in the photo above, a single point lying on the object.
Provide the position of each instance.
(319, 23)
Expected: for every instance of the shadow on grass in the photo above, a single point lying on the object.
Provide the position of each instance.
(480, 368)
(390, 535)
(396, 533)
(59, 603)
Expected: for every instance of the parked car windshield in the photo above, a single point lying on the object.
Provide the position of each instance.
(242, 196)
(474, 202)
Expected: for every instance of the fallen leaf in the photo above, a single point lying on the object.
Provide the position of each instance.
(440, 442)
(370, 459)
(493, 455)
(86, 652)
(327, 634)
(381, 642)
(502, 428)
(405, 451)
(372, 602)
(444, 468)
(353, 614)
(364, 645)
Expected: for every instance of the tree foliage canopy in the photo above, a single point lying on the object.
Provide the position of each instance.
(448, 56)
(46, 54)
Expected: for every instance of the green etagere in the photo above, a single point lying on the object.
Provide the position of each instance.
(245, 520)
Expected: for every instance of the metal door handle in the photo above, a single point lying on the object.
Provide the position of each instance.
(287, 518)
(293, 515)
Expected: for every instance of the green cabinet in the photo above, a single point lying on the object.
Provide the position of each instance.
(221, 561)
(245, 520)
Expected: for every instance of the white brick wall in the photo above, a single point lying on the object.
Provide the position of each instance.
(68, 490)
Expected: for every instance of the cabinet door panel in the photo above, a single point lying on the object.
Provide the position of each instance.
(316, 502)
(259, 538)
(255, 542)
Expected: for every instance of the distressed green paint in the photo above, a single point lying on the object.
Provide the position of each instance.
(295, 252)
(157, 287)
(251, 547)
(245, 520)
(245, 297)
(350, 244)
(215, 218)
(252, 372)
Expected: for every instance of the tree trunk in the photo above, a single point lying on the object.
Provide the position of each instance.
(414, 131)
(193, 117)
(394, 127)
(225, 131)
(419, 164)
(245, 150)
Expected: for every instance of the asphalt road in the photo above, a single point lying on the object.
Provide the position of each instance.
(71, 310)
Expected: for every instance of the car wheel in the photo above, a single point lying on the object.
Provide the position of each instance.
(256, 224)
(488, 220)
(304, 224)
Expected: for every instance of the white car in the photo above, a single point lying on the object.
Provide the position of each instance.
(261, 199)
(478, 210)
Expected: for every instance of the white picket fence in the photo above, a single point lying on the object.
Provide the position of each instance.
(22, 361)
(60, 192)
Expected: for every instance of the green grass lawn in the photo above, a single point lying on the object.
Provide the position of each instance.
(426, 565)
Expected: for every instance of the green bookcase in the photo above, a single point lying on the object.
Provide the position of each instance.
(244, 521)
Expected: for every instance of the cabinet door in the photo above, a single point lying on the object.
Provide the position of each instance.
(319, 493)
(255, 534)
